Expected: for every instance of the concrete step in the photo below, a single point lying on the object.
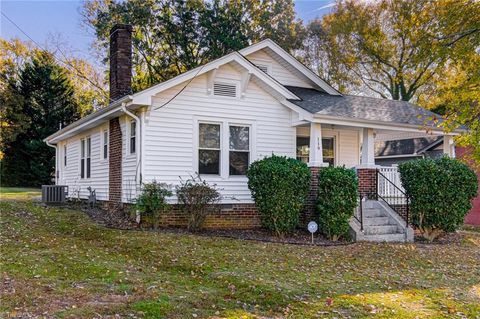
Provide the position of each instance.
(381, 230)
(385, 238)
(371, 204)
(373, 212)
(376, 221)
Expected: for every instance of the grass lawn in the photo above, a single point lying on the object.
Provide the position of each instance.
(17, 193)
(57, 263)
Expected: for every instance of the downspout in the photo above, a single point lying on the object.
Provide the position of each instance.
(56, 160)
(138, 173)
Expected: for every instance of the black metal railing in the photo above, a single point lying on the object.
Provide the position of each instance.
(393, 196)
(358, 215)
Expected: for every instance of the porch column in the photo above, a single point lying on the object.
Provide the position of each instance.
(448, 146)
(368, 149)
(316, 149)
(315, 163)
(367, 170)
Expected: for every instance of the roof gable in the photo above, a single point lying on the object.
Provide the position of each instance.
(288, 58)
(144, 97)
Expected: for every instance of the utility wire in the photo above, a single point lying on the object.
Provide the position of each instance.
(66, 63)
(78, 73)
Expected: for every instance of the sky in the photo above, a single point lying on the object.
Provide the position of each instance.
(61, 19)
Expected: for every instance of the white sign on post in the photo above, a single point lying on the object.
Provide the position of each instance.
(312, 228)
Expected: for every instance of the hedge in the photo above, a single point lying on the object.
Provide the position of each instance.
(336, 201)
(279, 186)
(441, 191)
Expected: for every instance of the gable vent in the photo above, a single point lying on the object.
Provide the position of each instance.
(262, 67)
(223, 89)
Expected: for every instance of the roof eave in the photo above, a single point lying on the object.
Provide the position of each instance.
(382, 124)
(78, 125)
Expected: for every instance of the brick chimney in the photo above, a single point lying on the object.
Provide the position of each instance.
(120, 85)
(120, 61)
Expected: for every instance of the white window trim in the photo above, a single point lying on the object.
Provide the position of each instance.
(227, 82)
(224, 143)
(128, 125)
(197, 138)
(65, 155)
(102, 143)
(84, 138)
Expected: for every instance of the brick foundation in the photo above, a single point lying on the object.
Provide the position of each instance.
(115, 164)
(367, 182)
(230, 216)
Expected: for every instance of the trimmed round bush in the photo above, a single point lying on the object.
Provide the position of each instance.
(279, 186)
(441, 191)
(336, 201)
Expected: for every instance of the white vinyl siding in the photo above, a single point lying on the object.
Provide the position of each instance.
(70, 175)
(279, 69)
(170, 145)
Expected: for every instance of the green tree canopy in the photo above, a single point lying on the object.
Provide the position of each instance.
(172, 36)
(34, 105)
(392, 48)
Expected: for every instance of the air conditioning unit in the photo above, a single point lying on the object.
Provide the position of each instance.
(54, 194)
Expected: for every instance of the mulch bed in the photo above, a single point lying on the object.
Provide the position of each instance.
(299, 237)
(121, 221)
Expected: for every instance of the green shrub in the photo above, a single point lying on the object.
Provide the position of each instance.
(279, 186)
(440, 191)
(336, 201)
(197, 198)
(152, 202)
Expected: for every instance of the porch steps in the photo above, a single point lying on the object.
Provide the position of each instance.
(380, 224)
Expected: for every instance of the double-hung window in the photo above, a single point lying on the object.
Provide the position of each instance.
(105, 144)
(64, 155)
(133, 136)
(223, 149)
(85, 157)
(209, 145)
(239, 153)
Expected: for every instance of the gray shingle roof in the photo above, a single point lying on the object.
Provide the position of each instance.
(363, 108)
(408, 146)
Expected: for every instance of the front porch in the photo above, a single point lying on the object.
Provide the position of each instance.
(383, 211)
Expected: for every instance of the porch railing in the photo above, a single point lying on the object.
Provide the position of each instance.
(393, 194)
(388, 187)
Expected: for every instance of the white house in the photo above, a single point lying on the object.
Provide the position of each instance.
(218, 118)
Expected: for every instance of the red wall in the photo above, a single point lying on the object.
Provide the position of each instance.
(473, 217)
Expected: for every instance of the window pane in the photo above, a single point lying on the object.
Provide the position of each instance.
(89, 147)
(208, 162)
(133, 128)
(65, 155)
(328, 148)
(88, 167)
(105, 151)
(82, 168)
(238, 163)
(132, 144)
(239, 138)
(209, 135)
(303, 148)
(82, 151)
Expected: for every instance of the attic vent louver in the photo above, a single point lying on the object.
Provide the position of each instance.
(262, 67)
(223, 89)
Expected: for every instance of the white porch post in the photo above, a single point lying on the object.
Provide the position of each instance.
(448, 146)
(316, 150)
(368, 149)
